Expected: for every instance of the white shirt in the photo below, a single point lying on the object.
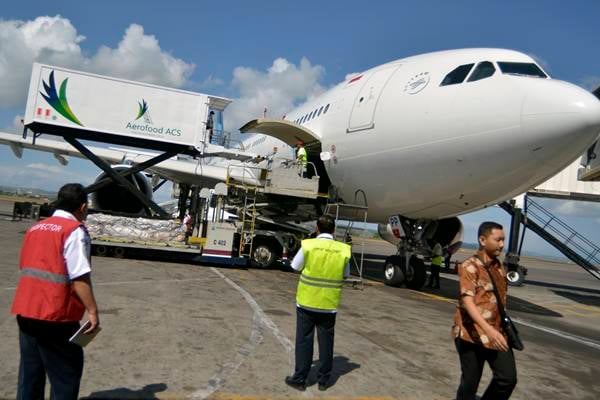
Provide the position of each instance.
(77, 248)
(298, 264)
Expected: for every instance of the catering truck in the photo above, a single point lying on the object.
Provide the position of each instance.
(116, 110)
(79, 105)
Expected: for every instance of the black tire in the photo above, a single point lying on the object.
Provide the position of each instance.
(392, 273)
(516, 277)
(416, 275)
(119, 252)
(263, 256)
(100, 250)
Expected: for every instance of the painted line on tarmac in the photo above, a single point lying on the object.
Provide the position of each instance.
(229, 368)
(283, 340)
(564, 335)
(260, 319)
(154, 281)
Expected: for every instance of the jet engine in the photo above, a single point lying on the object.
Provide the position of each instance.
(114, 197)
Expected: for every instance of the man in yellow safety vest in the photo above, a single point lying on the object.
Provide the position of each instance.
(323, 263)
(301, 158)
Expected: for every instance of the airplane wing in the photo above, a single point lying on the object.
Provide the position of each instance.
(190, 171)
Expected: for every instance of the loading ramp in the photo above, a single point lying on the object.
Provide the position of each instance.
(559, 234)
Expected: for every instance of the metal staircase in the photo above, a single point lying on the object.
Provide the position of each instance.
(248, 221)
(348, 214)
(565, 239)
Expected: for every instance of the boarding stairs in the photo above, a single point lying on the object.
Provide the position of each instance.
(352, 219)
(556, 232)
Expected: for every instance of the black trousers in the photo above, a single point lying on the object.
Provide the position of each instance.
(434, 278)
(472, 360)
(305, 332)
(46, 350)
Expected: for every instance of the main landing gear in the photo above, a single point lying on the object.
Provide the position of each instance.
(415, 240)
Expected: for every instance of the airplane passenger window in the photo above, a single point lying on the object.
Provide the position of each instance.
(315, 113)
(320, 109)
(457, 75)
(525, 69)
(326, 108)
(483, 70)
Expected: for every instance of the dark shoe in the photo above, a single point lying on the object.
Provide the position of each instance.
(298, 385)
(324, 386)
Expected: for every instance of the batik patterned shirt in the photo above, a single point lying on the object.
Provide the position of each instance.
(475, 282)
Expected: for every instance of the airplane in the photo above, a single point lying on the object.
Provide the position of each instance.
(425, 138)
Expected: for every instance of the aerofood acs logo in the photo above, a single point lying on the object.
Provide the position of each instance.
(147, 127)
(417, 83)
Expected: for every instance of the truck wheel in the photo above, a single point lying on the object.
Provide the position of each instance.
(415, 274)
(516, 277)
(263, 256)
(101, 250)
(119, 252)
(392, 273)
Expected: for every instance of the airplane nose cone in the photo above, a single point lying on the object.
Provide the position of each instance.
(560, 113)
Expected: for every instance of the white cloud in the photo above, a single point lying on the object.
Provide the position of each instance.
(139, 57)
(571, 208)
(41, 175)
(590, 82)
(55, 41)
(280, 88)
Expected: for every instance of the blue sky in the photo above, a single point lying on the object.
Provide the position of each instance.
(238, 49)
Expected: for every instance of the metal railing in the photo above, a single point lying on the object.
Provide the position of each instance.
(556, 232)
(255, 175)
(567, 235)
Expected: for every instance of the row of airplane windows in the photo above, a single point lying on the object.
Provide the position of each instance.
(312, 114)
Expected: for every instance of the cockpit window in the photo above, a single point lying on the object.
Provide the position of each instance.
(457, 75)
(525, 69)
(483, 70)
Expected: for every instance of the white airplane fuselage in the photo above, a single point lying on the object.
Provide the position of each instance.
(423, 150)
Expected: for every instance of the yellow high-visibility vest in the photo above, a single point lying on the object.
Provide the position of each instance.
(322, 277)
(301, 156)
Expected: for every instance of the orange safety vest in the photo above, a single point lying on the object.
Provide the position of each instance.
(45, 291)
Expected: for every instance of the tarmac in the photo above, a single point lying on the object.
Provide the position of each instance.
(179, 331)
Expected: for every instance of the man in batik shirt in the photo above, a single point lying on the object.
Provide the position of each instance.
(477, 330)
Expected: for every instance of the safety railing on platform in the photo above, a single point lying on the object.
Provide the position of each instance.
(253, 175)
(568, 236)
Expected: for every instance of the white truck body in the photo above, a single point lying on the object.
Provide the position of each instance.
(107, 106)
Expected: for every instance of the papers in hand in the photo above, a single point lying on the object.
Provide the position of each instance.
(83, 339)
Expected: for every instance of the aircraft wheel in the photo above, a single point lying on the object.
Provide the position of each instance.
(516, 277)
(392, 273)
(415, 274)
